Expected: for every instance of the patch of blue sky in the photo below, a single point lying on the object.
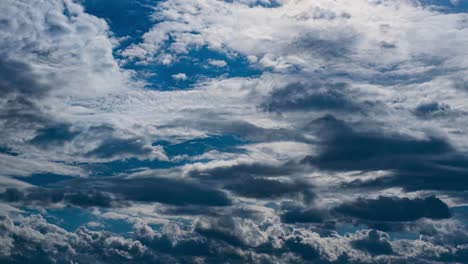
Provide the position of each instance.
(8, 151)
(272, 205)
(45, 179)
(126, 18)
(198, 146)
(460, 213)
(262, 3)
(403, 235)
(133, 18)
(343, 229)
(68, 218)
(188, 148)
(71, 218)
(156, 227)
(447, 6)
(118, 167)
(183, 221)
(197, 65)
(130, 19)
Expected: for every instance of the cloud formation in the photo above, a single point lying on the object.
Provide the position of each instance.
(241, 131)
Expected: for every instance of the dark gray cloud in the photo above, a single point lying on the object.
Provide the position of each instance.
(384, 213)
(57, 134)
(272, 188)
(300, 215)
(390, 209)
(169, 191)
(113, 191)
(326, 47)
(40, 196)
(321, 96)
(345, 149)
(118, 146)
(258, 180)
(19, 79)
(109, 146)
(21, 89)
(90, 198)
(416, 164)
(432, 109)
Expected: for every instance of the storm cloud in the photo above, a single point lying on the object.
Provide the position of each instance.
(416, 164)
(395, 209)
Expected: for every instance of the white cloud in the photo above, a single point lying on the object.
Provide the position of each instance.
(218, 63)
(304, 33)
(71, 50)
(180, 77)
(391, 52)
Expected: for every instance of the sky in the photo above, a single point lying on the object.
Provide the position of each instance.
(234, 131)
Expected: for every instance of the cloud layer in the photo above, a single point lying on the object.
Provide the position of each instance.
(244, 131)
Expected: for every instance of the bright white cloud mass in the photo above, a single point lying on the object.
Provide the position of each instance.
(241, 131)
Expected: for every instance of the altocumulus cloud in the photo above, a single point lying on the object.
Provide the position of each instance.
(242, 131)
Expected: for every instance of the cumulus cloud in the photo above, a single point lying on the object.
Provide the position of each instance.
(33, 239)
(217, 63)
(53, 51)
(211, 239)
(180, 76)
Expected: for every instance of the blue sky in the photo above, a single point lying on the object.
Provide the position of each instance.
(241, 131)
